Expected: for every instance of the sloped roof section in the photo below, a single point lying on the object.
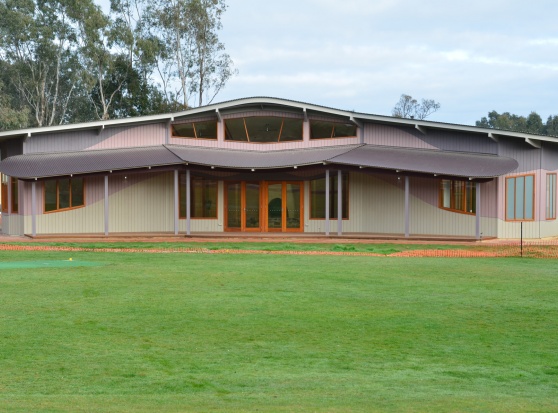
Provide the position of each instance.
(461, 164)
(230, 158)
(66, 163)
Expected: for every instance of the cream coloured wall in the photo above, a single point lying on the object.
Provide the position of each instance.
(377, 205)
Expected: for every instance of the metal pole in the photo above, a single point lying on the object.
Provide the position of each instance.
(34, 209)
(188, 202)
(106, 205)
(407, 216)
(478, 211)
(339, 203)
(176, 201)
(327, 202)
(521, 239)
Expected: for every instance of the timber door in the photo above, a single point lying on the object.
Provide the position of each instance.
(264, 206)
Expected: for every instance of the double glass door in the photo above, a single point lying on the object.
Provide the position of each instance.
(264, 206)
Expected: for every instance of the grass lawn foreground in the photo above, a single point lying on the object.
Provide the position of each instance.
(286, 333)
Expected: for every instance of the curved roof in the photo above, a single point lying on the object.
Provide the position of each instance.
(459, 164)
(276, 102)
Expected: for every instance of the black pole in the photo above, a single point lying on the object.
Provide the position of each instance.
(522, 238)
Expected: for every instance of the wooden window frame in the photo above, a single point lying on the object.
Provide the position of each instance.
(4, 182)
(463, 209)
(552, 191)
(514, 204)
(333, 123)
(14, 182)
(182, 190)
(264, 143)
(195, 131)
(58, 209)
(345, 191)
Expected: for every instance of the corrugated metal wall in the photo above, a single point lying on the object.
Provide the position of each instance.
(88, 219)
(12, 224)
(529, 159)
(142, 203)
(121, 137)
(377, 205)
(409, 137)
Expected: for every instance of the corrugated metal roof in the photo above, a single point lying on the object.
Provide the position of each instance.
(405, 159)
(66, 163)
(462, 164)
(273, 101)
(230, 158)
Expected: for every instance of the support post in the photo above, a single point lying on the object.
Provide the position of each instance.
(106, 205)
(34, 209)
(478, 211)
(9, 195)
(187, 202)
(176, 201)
(339, 203)
(407, 217)
(327, 202)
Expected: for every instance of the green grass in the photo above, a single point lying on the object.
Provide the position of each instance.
(386, 248)
(222, 333)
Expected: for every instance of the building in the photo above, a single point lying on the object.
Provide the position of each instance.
(274, 165)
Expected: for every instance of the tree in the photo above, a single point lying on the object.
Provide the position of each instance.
(10, 118)
(506, 121)
(193, 58)
(407, 107)
(552, 125)
(38, 41)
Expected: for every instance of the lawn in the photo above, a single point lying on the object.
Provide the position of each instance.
(201, 332)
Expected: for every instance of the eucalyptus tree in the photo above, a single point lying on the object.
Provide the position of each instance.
(408, 107)
(192, 57)
(508, 121)
(12, 116)
(38, 41)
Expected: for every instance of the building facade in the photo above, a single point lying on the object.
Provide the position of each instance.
(274, 165)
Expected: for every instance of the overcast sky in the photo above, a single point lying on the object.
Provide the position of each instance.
(471, 56)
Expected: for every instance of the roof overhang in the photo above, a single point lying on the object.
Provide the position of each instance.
(423, 161)
(262, 103)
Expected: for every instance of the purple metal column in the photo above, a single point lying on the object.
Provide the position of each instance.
(407, 220)
(176, 209)
(106, 205)
(478, 211)
(339, 203)
(327, 202)
(188, 202)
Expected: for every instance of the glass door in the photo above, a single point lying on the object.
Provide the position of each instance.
(252, 206)
(264, 206)
(274, 206)
(293, 206)
(233, 207)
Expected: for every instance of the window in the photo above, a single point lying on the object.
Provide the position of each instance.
(520, 198)
(4, 190)
(326, 130)
(6, 182)
(195, 130)
(550, 196)
(263, 129)
(15, 195)
(458, 196)
(203, 197)
(65, 193)
(317, 197)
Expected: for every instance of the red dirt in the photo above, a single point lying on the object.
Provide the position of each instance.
(493, 251)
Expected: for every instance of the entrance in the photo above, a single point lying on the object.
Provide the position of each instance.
(266, 206)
